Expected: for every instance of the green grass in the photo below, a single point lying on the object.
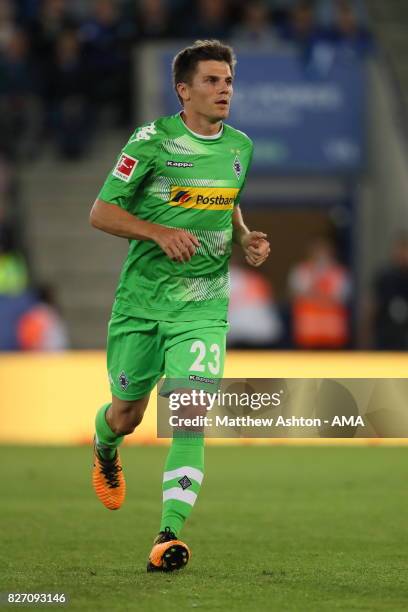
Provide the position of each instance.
(274, 528)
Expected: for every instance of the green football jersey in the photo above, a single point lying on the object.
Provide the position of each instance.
(169, 175)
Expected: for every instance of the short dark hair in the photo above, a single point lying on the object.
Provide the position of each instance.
(185, 62)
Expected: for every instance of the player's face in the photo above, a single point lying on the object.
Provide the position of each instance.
(210, 91)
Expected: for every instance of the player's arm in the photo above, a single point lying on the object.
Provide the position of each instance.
(254, 244)
(179, 245)
(115, 209)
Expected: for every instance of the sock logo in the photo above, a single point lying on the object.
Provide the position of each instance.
(124, 381)
(185, 482)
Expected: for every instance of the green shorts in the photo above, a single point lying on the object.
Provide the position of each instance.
(141, 351)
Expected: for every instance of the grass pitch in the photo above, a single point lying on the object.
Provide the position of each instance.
(274, 528)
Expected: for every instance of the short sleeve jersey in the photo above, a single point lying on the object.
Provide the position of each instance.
(167, 174)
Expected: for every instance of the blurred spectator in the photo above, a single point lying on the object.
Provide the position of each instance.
(255, 29)
(281, 10)
(303, 31)
(31, 321)
(320, 289)
(10, 212)
(253, 316)
(107, 39)
(42, 328)
(12, 307)
(51, 20)
(11, 226)
(207, 19)
(27, 9)
(301, 28)
(28, 319)
(5, 188)
(19, 99)
(154, 19)
(349, 36)
(7, 22)
(390, 308)
(13, 268)
(67, 96)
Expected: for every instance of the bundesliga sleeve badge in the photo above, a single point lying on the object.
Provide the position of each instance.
(125, 167)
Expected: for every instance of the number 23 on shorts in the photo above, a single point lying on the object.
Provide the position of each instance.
(198, 357)
(206, 360)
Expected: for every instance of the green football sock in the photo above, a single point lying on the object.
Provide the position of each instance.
(106, 440)
(182, 478)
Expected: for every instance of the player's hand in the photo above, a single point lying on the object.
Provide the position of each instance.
(179, 245)
(256, 248)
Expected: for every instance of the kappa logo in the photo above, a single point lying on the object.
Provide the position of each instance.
(179, 164)
(185, 482)
(123, 380)
(125, 167)
(201, 379)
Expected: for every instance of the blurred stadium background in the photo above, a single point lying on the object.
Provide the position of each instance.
(321, 87)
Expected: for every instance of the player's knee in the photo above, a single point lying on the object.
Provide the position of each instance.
(120, 428)
(125, 421)
(131, 422)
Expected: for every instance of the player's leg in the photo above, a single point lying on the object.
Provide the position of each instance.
(113, 421)
(135, 362)
(193, 350)
(182, 478)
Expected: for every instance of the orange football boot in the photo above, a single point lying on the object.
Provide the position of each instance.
(108, 480)
(168, 553)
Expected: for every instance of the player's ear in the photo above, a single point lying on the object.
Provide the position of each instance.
(183, 91)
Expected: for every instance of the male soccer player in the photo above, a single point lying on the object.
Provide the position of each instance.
(174, 194)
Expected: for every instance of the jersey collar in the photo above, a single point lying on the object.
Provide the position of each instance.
(201, 136)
